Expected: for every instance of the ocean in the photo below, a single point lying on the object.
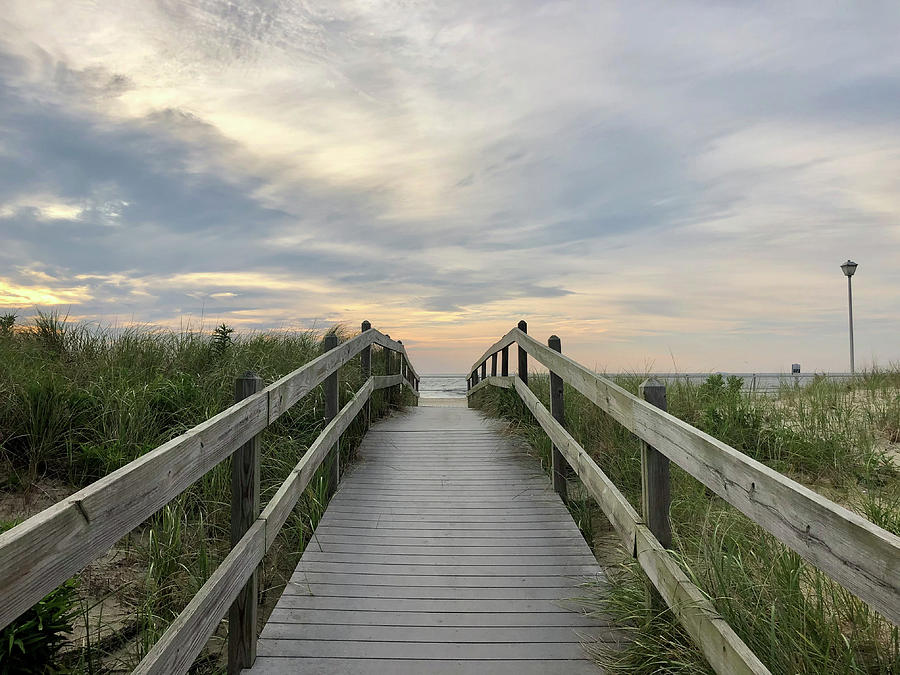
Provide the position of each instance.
(442, 386)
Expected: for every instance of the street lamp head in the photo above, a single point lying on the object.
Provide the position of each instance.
(849, 268)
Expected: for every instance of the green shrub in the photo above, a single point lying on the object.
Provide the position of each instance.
(31, 643)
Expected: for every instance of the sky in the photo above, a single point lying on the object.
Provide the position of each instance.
(667, 186)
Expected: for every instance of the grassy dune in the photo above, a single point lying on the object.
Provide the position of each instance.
(838, 439)
(77, 403)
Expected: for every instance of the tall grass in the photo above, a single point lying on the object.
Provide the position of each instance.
(832, 437)
(77, 402)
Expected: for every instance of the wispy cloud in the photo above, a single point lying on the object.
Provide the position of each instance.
(650, 181)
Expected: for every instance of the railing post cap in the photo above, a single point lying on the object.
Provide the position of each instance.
(366, 325)
(249, 375)
(330, 339)
(552, 340)
(523, 326)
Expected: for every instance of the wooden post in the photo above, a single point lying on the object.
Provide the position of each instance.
(523, 356)
(494, 364)
(366, 366)
(331, 410)
(655, 487)
(557, 409)
(504, 361)
(484, 369)
(244, 511)
(399, 389)
(475, 377)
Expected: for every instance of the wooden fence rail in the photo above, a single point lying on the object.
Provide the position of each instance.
(39, 554)
(859, 555)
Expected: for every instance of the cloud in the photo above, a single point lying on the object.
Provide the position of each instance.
(642, 178)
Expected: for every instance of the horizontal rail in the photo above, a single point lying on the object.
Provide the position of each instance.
(505, 341)
(859, 555)
(39, 554)
(186, 636)
(385, 381)
(495, 380)
(724, 650)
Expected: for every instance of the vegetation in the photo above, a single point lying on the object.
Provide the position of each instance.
(31, 644)
(836, 438)
(78, 402)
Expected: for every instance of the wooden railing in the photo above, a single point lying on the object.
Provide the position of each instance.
(44, 551)
(857, 554)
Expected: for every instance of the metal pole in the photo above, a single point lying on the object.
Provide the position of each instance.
(850, 304)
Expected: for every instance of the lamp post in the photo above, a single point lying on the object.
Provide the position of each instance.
(849, 268)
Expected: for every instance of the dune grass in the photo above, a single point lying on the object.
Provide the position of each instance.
(833, 437)
(77, 402)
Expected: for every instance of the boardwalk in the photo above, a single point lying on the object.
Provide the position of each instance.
(445, 550)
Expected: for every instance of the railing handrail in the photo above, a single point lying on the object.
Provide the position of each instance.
(42, 552)
(856, 553)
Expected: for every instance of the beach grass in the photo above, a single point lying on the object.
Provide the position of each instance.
(79, 401)
(837, 438)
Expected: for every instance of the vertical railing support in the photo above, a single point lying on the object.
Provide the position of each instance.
(244, 511)
(504, 361)
(494, 364)
(399, 389)
(366, 365)
(557, 409)
(484, 369)
(523, 356)
(331, 410)
(655, 481)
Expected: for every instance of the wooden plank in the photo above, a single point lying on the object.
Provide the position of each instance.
(406, 570)
(448, 651)
(458, 592)
(498, 381)
(39, 554)
(368, 666)
(283, 501)
(862, 557)
(572, 582)
(453, 634)
(385, 381)
(187, 635)
(500, 344)
(613, 503)
(732, 655)
(724, 650)
(338, 617)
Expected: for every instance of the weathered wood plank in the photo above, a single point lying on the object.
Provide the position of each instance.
(39, 554)
(178, 647)
(388, 562)
(499, 345)
(367, 666)
(498, 381)
(283, 501)
(724, 650)
(711, 633)
(613, 503)
(859, 555)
